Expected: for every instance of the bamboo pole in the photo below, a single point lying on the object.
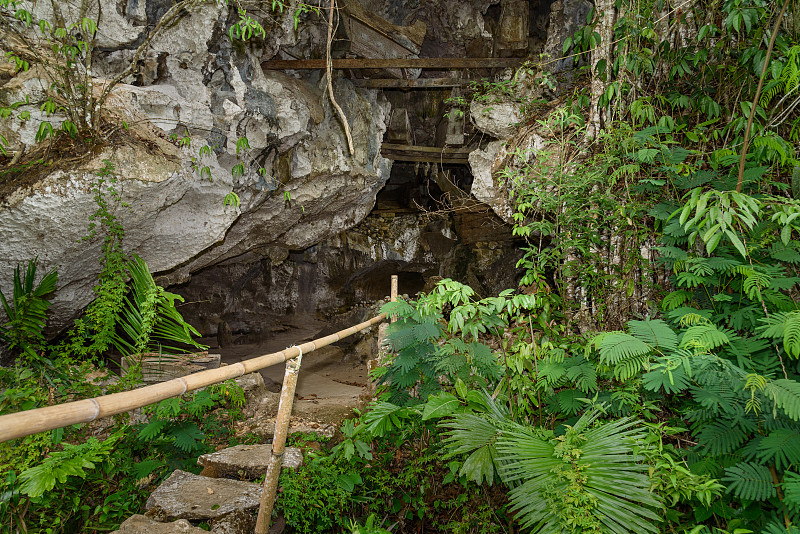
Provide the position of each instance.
(393, 295)
(270, 490)
(21, 424)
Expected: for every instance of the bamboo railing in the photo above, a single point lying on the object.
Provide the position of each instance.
(21, 424)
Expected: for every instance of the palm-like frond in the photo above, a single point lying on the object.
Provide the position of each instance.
(149, 319)
(596, 461)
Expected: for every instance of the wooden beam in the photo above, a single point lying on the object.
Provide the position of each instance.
(440, 63)
(414, 83)
(423, 154)
(425, 158)
(426, 149)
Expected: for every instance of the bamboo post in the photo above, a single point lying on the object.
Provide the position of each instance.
(270, 489)
(383, 349)
(394, 294)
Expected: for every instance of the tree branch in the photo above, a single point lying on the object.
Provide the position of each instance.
(758, 94)
(329, 70)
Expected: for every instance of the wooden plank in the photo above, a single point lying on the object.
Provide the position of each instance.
(432, 158)
(416, 83)
(440, 63)
(425, 149)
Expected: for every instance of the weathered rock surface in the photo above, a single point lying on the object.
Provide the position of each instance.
(238, 522)
(485, 164)
(172, 216)
(263, 424)
(498, 119)
(485, 186)
(246, 462)
(178, 222)
(139, 524)
(566, 17)
(187, 496)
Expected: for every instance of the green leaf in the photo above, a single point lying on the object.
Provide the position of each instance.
(440, 405)
(655, 333)
(781, 447)
(479, 466)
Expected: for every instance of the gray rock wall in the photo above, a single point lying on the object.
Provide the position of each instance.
(177, 220)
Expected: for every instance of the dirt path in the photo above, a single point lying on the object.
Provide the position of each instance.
(328, 388)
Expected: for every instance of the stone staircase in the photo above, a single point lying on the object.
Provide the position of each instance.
(222, 496)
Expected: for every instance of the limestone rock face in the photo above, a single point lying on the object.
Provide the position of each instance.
(566, 17)
(176, 220)
(187, 496)
(171, 216)
(139, 524)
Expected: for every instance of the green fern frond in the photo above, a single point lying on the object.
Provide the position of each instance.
(791, 334)
(670, 380)
(691, 280)
(655, 333)
(693, 318)
(785, 325)
(617, 347)
(583, 375)
(791, 490)
(625, 354)
(786, 396)
(781, 447)
(754, 283)
(704, 337)
(749, 481)
(676, 299)
(721, 438)
(779, 527)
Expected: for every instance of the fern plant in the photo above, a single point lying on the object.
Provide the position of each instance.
(27, 312)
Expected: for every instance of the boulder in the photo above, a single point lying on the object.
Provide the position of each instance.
(238, 522)
(485, 186)
(485, 163)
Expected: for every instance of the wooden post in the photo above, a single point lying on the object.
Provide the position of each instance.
(270, 489)
(394, 294)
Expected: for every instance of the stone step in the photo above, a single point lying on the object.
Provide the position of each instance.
(246, 462)
(197, 498)
(139, 524)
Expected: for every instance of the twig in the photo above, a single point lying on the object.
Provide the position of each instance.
(758, 93)
(329, 70)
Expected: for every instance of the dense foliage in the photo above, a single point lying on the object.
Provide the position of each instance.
(645, 377)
